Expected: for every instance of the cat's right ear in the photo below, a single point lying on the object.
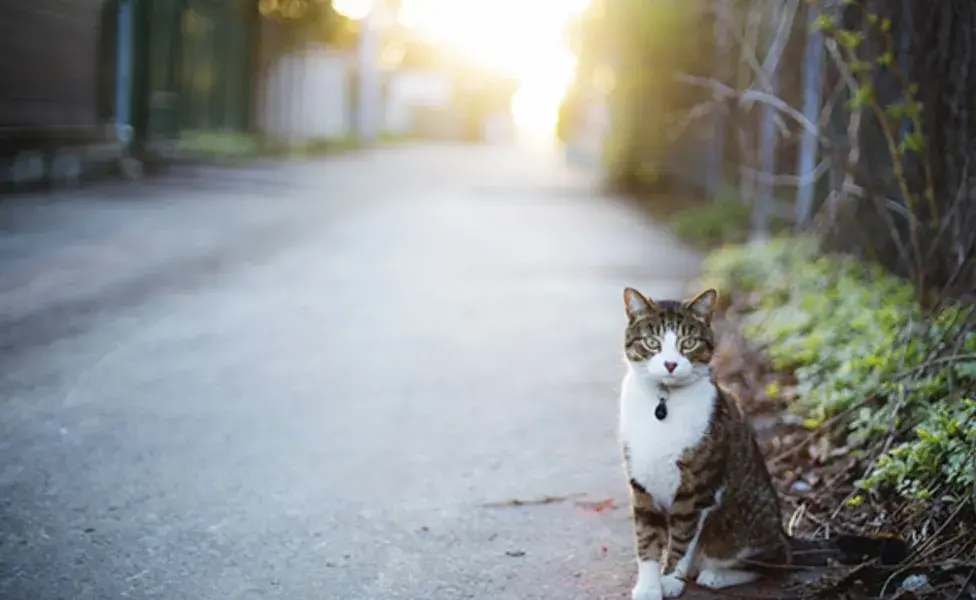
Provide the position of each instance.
(635, 303)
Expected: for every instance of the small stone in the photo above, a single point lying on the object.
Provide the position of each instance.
(915, 583)
(800, 488)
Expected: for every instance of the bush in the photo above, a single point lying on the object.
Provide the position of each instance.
(713, 224)
(859, 346)
(707, 224)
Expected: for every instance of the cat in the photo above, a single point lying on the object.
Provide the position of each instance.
(702, 498)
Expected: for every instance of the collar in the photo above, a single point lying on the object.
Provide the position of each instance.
(663, 393)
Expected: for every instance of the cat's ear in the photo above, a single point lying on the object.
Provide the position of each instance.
(704, 304)
(635, 303)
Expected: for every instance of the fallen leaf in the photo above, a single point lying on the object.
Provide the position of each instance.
(600, 506)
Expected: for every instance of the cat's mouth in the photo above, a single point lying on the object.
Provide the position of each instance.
(676, 380)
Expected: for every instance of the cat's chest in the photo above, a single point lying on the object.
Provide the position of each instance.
(653, 446)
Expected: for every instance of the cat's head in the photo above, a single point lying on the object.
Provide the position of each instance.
(670, 341)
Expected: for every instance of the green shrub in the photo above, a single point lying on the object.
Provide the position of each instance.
(219, 144)
(850, 332)
(713, 224)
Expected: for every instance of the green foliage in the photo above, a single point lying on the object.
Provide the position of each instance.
(859, 344)
(873, 63)
(849, 39)
(303, 21)
(713, 224)
(644, 45)
(939, 462)
(219, 144)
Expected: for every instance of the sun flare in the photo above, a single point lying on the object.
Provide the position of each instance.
(521, 37)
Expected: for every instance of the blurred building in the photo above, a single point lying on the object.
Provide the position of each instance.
(193, 69)
(308, 94)
(439, 93)
(86, 82)
(88, 86)
(53, 88)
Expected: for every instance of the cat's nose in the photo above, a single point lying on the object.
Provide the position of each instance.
(670, 366)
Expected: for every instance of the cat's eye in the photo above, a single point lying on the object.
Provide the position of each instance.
(689, 344)
(651, 345)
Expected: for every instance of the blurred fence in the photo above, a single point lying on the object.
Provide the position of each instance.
(194, 69)
(84, 82)
(55, 86)
(304, 92)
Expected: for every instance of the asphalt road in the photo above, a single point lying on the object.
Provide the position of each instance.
(322, 380)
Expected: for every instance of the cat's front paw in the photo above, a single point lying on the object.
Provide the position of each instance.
(672, 586)
(646, 592)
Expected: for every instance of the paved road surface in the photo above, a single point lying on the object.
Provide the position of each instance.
(321, 380)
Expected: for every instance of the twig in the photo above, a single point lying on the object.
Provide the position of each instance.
(515, 502)
(793, 180)
(965, 584)
(795, 519)
(700, 110)
(853, 125)
(724, 92)
(821, 430)
(778, 44)
(934, 361)
(922, 547)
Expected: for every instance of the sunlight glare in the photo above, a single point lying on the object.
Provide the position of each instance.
(536, 103)
(522, 38)
(353, 9)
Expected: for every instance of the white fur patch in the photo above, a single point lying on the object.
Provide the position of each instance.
(719, 574)
(672, 586)
(654, 446)
(657, 368)
(718, 579)
(648, 585)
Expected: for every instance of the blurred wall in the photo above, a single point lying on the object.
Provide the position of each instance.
(306, 95)
(57, 88)
(49, 73)
(411, 92)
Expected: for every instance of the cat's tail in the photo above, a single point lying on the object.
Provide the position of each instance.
(843, 549)
(849, 550)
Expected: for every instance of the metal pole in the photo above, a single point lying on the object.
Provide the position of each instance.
(369, 88)
(762, 209)
(123, 73)
(812, 84)
(715, 173)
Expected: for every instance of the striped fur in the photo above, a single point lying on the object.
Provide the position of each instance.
(700, 488)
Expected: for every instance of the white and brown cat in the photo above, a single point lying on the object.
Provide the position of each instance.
(702, 497)
(704, 506)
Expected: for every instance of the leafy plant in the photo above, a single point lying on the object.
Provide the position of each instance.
(713, 224)
(861, 347)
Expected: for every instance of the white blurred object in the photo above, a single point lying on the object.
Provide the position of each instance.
(916, 583)
(306, 96)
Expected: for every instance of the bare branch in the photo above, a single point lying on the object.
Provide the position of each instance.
(778, 45)
(723, 92)
(792, 180)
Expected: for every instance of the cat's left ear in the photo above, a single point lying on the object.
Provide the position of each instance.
(704, 304)
(635, 303)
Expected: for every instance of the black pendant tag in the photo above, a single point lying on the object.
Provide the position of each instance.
(661, 412)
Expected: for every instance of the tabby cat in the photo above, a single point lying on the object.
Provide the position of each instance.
(699, 484)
